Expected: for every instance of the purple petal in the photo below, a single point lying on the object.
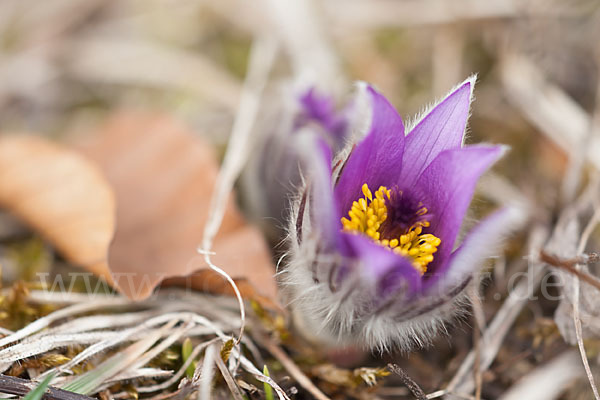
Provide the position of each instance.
(377, 159)
(449, 182)
(483, 241)
(441, 129)
(316, 106)
(379, 264)
(324, 206)
(315, 157)
(321, 109)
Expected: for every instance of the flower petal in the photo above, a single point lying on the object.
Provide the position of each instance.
(441, 288)
(315, 156)
(441, 129)
(449, 182)
(379, 264)
(321, 109)
(377, 159)
(483, 241)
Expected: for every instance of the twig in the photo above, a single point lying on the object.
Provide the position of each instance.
(261, 60)
(444, 392)
(44, 322)
(477, 329)
(292, 368)
(249, 367)
(175, 378)
(204, 373)
(306, 41)
(407, 380)
(569, 266)
(587, 232)
(494, 335)
(233, 387)
(20, 387)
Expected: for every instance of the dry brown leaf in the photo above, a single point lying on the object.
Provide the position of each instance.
(60, 194)
(163, 176)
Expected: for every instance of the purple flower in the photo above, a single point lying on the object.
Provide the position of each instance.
(275, 169)
(319, 109)
(374, 258)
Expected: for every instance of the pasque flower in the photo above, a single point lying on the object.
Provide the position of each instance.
(274, 169)
(373, 257)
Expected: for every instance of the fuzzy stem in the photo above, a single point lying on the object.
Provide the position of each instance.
(408, 382)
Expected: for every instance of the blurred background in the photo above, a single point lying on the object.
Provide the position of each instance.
(66, 65)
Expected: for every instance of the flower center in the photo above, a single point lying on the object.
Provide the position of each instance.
(369, 214)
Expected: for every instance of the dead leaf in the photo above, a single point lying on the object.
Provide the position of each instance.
(163, 176)
(60, 194)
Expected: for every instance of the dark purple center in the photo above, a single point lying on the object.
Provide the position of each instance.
(403, 212)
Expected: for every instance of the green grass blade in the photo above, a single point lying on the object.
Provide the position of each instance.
(268, 388)
(38, 392)
(186, 352)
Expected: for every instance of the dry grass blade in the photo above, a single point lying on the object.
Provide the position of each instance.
(292, 368)
(594, 221)
(173, 380)
(115, 60)
(68, 298)
(156, 350)
(102, 341)
(306, 41)
(479, 327)
(93, 322)
(140, 373)
(88, 382)
(132, 376)
(261, 59)
(494, 335)
(453, 396)
(165, 321)
(103, 345)
(30, 348)
(546, 382)
(44, 322)
(249, 367)
(206, 373)
(233, 388)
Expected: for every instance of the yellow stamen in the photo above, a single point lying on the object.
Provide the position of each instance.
(368, 214)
